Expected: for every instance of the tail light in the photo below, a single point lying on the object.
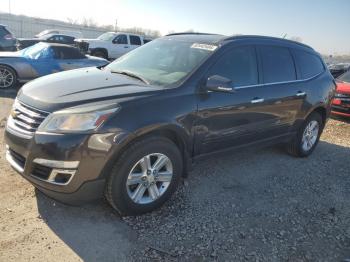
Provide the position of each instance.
(8, 37)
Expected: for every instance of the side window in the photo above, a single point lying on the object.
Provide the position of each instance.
(239, 65)
(3, 31)
(278, 65)
(121, 39)
(310, 65)
(67, 53)
(135, 40)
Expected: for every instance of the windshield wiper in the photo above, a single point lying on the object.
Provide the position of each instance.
(131, 74)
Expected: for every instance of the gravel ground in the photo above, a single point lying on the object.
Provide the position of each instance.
(257, 205)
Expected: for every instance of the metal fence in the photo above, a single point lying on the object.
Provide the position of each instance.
(24, 26)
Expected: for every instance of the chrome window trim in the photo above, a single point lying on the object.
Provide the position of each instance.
(279, 83)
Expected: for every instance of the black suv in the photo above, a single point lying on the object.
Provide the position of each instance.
(7, 40)
(130, 130)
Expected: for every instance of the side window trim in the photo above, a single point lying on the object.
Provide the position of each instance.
(281, 83)
(262, 83)
(206, 74)
(299, 76)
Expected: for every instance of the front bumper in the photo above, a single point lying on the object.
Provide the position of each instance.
(66, 167)
(341, 106)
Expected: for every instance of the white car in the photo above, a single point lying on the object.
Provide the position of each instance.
(111, 45)
(75, 34)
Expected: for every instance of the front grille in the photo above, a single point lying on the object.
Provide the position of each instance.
(40, 171)
(341, 109)
(82, 46)
(26, 119)
(19, 159)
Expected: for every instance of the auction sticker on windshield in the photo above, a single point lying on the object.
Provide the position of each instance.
(204, 46)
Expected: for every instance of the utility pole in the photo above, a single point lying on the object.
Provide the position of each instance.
(9, 6)
(116, 25)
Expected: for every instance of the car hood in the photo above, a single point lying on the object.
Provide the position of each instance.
(10, 54)
(87, 40)
(76, 87)
(343, 87)
(30, 39)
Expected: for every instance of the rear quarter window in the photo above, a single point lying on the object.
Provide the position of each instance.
(277, 63)
(309, 64)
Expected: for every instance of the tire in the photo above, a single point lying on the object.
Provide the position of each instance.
(8, 77)
(120, 195)
(296, 146)
(100, 53)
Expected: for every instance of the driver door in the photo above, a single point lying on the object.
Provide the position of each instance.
(120, 46)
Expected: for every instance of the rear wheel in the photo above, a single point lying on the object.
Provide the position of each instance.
(8, 77)
(306, 139)
(145, 176)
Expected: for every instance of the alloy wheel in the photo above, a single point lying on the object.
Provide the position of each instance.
(6, 78)
(310, 135)
(149, 178)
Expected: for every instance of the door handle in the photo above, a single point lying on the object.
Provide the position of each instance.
(257, 100)
(301, 93)
(126, 46)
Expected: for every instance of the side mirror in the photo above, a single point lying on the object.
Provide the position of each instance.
(218, 83)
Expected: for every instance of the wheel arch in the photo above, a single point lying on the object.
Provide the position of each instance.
(14, 70)
(174, 133)
(101, 49)
(9, 66)
(321, 110)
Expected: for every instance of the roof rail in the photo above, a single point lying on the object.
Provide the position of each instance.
(189, 33)
(237, 37)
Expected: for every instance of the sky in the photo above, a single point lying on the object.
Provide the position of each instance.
(323, 24)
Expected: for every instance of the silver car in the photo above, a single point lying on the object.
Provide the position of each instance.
(42, 59)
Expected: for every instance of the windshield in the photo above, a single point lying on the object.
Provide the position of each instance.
(163, 61)
(37, 51)
(45, 32)
(345, 77)
(106, 36)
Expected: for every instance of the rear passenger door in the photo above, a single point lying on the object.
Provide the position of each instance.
(135, 41)
(282, 90)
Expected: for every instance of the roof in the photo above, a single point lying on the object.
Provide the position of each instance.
(221, 39)
(197, 37)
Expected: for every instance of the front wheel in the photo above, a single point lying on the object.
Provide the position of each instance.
(145, 176)
(8, 78)
(306, 139)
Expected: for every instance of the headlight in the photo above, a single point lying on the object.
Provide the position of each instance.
(80, 119)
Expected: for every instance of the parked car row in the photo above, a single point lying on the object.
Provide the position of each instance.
(110, 45)
(42, 59)
(339, 69)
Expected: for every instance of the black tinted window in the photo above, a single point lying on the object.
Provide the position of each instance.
(278, 65)
(3, 31)
(121, 39)
(239, 65)
(309, 64)
(62, 52)
(135, 40)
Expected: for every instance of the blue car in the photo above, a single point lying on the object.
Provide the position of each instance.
(42, 59)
